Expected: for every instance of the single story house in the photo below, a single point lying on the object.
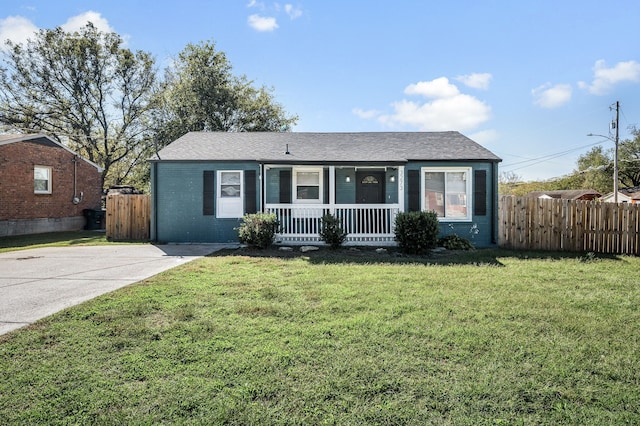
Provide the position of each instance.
(625, 195)
(204, 182)
(566, 194)
(44, 186)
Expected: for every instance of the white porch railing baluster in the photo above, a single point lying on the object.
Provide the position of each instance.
(364, 224)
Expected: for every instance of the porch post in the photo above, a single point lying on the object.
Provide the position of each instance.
(261, 189)
(263, 186)
(332, 189)
(401, 188)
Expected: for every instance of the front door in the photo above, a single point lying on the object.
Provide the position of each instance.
(369, 187)
(370, 190)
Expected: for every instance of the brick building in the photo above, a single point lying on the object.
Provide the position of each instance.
(44, 186)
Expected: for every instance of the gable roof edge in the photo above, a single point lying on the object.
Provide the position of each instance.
(30, 137)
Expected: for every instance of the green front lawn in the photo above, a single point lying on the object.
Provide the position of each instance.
(52, 239)
(490, 337)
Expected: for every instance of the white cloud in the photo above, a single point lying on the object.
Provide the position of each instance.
(438, 88)
(548, 96)
(476, 80)
(605, 78)
(293, 12)
(17, 29)
(484, 137)
(462, 112)
(447, 109)
(262, 23)
(366, 114)
(76, 22)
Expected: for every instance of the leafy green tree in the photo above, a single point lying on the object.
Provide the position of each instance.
(200, 93)
(629, 160)
(85, 90)
(595, 170)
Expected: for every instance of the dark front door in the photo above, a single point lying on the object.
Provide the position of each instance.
(370, 187)
(370, 190)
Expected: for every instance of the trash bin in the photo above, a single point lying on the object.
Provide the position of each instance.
(95, 219)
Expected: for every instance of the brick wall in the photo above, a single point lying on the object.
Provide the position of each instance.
(17, 198)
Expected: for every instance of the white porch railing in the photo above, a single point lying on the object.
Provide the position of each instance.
(365, 224)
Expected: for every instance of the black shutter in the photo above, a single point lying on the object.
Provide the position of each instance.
(480, 193)
(325, 177)
(250, 191)
(285, 186)
(413, 188)
(208, 193)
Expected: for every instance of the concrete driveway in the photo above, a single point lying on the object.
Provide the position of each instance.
(38, 282)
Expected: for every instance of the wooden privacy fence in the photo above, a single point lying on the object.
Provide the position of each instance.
(128, 217)
(570, 225)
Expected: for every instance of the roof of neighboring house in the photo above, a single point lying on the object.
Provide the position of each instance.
(632, 193)
(292, 147)
(566, 194)
(42, 140)
(35, 138)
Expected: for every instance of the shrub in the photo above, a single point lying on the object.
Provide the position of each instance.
(455, 242)
(331, 231)
(417, 232)
(258, 230)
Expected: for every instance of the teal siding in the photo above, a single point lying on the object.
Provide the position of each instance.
(481, 230)
(273, 185)
(345, 191)
(177, 207)
(391, 188)
(178, 204)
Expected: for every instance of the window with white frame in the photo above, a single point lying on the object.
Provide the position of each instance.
(230, 194)
(307, 185)
(447, 191)
(42, 180)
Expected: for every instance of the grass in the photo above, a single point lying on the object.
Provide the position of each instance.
(487, 337)
(52, 239)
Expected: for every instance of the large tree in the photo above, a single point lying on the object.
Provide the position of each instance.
(629, 160)
(84, 89)
(200, 93)
(595, 170)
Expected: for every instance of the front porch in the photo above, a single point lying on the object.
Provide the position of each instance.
(365, 224)
(365, 198)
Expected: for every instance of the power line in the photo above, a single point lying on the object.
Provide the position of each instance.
(539, 160)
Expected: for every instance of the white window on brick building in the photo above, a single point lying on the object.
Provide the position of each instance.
(42, 180)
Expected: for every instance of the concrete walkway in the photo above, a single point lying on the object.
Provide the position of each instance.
(38, 282)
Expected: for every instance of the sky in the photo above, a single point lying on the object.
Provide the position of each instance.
(527, 79)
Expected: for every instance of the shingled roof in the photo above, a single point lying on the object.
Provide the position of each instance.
(41, 139)
(291, 147)
(34, 138)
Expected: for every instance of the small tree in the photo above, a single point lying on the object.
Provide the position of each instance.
(331, 231)
(417, 232)
(258, 230)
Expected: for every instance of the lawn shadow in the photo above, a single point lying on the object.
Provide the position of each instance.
(369, 255)
(392, 255)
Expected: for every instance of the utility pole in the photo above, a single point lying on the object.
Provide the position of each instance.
(615, 158)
